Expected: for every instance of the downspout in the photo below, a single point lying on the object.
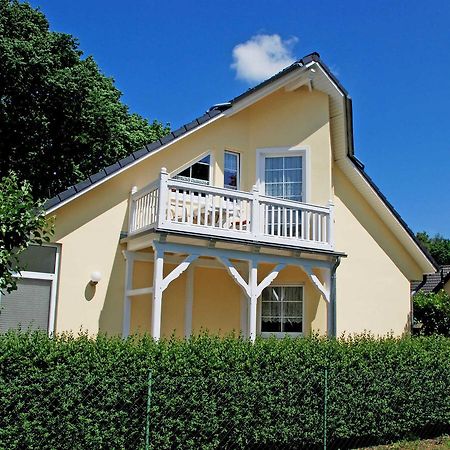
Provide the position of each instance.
(333, 295)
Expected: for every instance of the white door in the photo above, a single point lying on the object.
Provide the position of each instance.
(282, 177)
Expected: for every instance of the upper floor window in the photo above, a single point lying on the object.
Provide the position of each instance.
(231, 170)
(199, 172)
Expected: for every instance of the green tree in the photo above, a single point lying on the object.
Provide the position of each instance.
(61, 119)
(438, 246)
(22, 222)
(432, 313)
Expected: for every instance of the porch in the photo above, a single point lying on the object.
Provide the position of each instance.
(175, 287)
(174, 205)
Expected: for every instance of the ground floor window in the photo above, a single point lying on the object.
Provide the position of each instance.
(282, 310)
(32, 305)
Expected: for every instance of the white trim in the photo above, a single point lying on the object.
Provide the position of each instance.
(280, 335)
(303, 151)
(209, 153)
(140, 291)
(112, 175)
(54, 291)
(53, 278)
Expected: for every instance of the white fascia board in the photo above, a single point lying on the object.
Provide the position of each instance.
(137, 161)
(387, 216)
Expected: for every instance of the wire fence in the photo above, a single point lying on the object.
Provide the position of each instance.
(152, 411)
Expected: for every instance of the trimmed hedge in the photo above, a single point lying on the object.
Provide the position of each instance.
(214, 392)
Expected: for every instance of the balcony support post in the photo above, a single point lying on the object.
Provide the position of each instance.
(163, 197)
(256, 215)
(126, 318)
(189, 301)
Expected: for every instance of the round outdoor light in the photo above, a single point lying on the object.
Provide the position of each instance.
(95, 278)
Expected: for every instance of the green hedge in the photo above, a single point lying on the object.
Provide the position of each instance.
(219, 393)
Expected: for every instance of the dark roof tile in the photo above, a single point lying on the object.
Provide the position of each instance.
(154, 145)
(191, 125)
(97, 176)
(167, 138)
(51, 202)
(112, 168)
(82, 185)
(128, 160)
(179, 132)
(203, 118)
(67, 193)
(139, 153)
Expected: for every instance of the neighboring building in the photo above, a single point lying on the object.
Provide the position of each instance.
(256, 217)
(433, 282)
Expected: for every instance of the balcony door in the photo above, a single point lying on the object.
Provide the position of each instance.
(282, 175)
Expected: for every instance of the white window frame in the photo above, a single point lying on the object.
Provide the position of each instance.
(53, 277)
(279, 334)
(238, 181)
(303, 151)
(174, 173)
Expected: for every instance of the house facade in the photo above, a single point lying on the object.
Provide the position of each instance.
(256, 218)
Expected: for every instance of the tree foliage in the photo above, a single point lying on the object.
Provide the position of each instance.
(438, 246)
(22, 223)
(432, 313)
(61, 119)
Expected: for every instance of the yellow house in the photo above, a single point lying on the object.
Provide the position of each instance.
(255, 218)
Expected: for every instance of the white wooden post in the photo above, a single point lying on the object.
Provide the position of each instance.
(244, 315)
(157, 292)
(163, 197)
(331, 224)
(330, 319)
(189, 302)
(126, 319)
(256, 215)
(132, 211)
(253, 285)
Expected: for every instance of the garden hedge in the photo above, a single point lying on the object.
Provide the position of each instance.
(210, 392)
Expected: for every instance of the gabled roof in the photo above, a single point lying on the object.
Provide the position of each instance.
(433, 282)
(149, 148)
(218, 111)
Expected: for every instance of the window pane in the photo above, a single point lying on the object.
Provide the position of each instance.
(27, 307)
(39, 259)
(274, 163)
(230, 179)
(231, 161)
(292, 162)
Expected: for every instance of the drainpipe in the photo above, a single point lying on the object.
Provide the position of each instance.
(333, 295)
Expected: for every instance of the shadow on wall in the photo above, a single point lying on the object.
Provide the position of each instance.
(110, 320)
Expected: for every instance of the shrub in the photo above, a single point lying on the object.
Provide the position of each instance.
(209, 392)
(432, 313)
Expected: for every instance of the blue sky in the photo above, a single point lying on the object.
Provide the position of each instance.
(173, 60)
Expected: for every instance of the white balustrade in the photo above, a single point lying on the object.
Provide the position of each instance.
(175, 205)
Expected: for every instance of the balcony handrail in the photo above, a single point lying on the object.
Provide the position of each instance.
(178, 205)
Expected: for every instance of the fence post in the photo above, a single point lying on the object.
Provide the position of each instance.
(325, 400)
(147, 416)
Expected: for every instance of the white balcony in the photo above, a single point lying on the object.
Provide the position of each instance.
(173, 205)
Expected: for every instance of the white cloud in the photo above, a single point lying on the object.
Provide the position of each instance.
(262, 56)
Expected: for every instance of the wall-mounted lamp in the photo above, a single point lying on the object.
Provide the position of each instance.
(95, 278)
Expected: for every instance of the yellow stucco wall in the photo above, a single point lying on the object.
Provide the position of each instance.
(447, 287)
(373, 289)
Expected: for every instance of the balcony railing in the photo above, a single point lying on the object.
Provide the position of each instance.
(174, 205)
